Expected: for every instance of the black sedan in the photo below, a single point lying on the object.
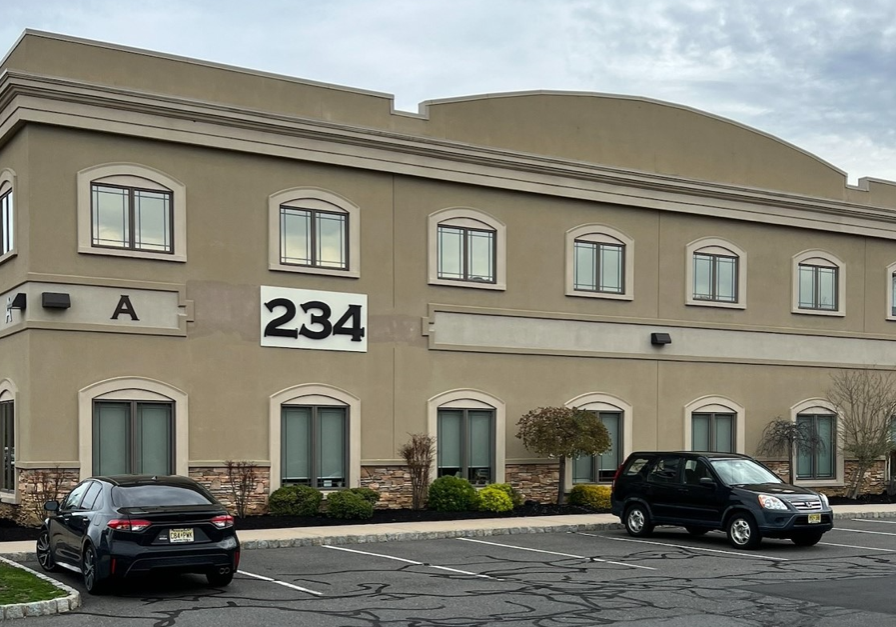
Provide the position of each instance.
(109, 528)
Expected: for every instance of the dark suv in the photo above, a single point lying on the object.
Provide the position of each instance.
(723, 491)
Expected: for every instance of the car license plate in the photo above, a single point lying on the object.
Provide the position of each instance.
(180, 535)
(813, 519)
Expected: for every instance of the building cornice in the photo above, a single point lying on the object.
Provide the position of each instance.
(28, 98)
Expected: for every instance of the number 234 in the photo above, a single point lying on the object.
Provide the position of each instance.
(321, 327)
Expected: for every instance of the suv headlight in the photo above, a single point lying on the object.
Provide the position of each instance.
(771, 502)
(824, 501)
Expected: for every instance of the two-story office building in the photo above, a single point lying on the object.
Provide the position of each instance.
(204, 263)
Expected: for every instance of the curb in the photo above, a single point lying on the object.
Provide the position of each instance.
(71, 601)
(407, 536)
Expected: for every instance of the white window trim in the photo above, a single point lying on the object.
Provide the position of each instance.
(8, 184)
(715, 246)
(891, 270)
(134, 389)
(599, 401)
(315, 394)
(600, 233)
(465, 398)
(316, 197)
(717, 404)
(822, 406)
(9, 392)
(130, 174)
(459, 214)
(821, 258)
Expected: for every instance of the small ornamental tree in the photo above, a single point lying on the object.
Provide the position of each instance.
(419, 454)
(785, 437)
(564, 433)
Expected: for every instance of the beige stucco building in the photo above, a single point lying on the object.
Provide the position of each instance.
(202, 263)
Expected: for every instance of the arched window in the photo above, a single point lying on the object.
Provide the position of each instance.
(617, 417)
(7, 215)
(716, 274)
(314, 231)
(315, 437)
(820, 461)
(133, 425)
(131, 210)
(469, 430)
(819, 284)
(714, 423)
(599, 262)
(8, 479)
(467, 249)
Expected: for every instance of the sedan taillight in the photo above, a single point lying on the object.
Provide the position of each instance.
(222, 522)
(124, 524)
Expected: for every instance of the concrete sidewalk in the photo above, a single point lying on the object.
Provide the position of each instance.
(358, 534)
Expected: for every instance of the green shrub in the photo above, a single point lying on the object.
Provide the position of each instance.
(349, 504)
(493, 498)
(371, 496)
(515, 497)
(593, 496)
(295, 500)
(451, 494)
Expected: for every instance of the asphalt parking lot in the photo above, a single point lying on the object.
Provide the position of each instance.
(544, 580)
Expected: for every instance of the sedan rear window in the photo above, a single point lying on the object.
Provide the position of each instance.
(158, 496)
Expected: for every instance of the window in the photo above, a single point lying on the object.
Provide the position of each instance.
(314, 231)
(818, 284)
(665, 471)
(73, 500)
(466, 249)
(315, 445)
(818, 461)
(602, 468)
(893, 295)
(133, 437)
(132, 218)
(716, 274)
(713, 432)
(891, 292)
(465, 444)
(599, 262)
(7, 215)
(8, 445)
(131, 210)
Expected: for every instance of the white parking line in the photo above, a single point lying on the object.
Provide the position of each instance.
(281, 583)
(888, 522)
(851, 546)
(875, 533)
(406, 561)
(581, 557)
(693, 548)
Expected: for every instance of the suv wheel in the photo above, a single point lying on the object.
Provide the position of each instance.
(637, 521)
(807, 538)
(743, 532)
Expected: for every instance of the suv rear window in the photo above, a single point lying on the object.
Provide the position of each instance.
(158, 495)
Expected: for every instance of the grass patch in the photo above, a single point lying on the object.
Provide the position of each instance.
(21, 586)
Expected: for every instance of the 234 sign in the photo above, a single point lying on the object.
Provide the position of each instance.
(331, 321)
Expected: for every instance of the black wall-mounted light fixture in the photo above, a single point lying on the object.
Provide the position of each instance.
(19, 301)
(54, 300)
(660, 339)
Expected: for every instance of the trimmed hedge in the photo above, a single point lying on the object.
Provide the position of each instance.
(493, 498)
(515, 497)
(371, 496)
(593, 496)
(295, 500)
(451, 494)
(350, 504)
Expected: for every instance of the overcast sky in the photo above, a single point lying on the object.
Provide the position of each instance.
(820, 74)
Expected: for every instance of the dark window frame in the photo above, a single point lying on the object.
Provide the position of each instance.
(713, 296)
(597, 266)
(893, 294)
(712, 429)
(7, 223)
(132, 226)
(8, 445)
(815, 306)
(313, 218)
(466, 233)
(813, 455)
(465, 467)
(598, 475)
(131, 453)
(313, 459)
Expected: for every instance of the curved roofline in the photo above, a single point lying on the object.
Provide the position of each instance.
(423, 111)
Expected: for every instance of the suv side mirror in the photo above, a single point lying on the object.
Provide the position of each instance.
(707, 482)
(51, 506)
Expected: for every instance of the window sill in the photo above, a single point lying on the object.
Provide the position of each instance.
(133, 254)
(818, 312)
(8, 255)
(691, 302)
(472, 284)
(602, 295)
(8, 498)
(820, 483)
(345, 274)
